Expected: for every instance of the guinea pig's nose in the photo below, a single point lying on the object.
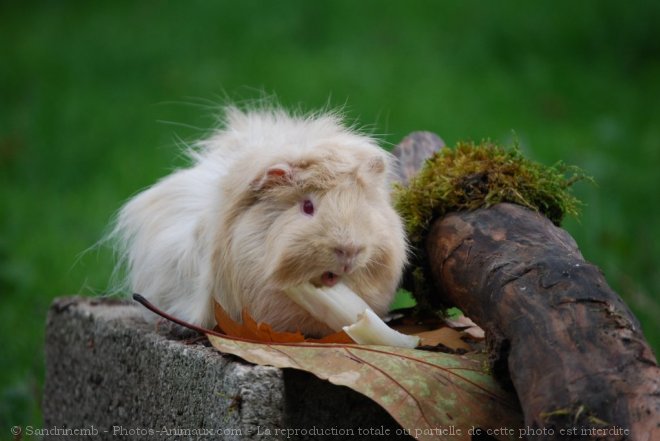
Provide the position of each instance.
(348, 251)
(346, 255)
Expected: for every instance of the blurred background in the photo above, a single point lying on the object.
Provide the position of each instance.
(98, 98)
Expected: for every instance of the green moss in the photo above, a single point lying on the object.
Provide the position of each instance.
(471, 176)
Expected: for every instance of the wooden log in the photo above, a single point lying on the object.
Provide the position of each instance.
(556, 331)
(412, 151)
(572, 349)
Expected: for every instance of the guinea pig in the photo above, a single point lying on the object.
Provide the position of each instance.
(272, 200)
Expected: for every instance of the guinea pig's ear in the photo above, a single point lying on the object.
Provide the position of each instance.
(372, 167)
(376, 165)
(277, 174)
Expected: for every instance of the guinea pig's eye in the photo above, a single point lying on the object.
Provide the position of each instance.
(307, 207)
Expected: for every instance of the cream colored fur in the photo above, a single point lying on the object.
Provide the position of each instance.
(231, 227)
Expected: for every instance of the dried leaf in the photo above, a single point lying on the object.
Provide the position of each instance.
(433, 332)
(262, 332)
(443, 336)
(465, 324)
(423, 391)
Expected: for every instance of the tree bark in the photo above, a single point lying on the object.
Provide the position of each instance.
(412, 151)
(569, 345)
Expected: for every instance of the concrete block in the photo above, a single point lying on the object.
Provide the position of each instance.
(111, 375)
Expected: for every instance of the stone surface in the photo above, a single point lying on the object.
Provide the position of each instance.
(111, 375)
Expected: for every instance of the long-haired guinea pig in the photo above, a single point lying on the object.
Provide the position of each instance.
(271, 201)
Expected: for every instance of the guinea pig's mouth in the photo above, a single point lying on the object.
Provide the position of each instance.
(329, 279)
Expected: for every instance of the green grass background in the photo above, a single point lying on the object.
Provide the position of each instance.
(96, 99)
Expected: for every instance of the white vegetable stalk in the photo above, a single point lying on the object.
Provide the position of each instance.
(371, 330)
(336, 306)
(340, 308)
